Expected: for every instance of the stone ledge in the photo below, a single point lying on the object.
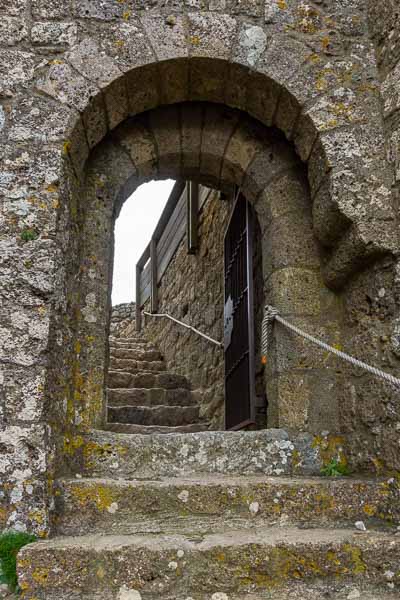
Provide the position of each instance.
(214, 503)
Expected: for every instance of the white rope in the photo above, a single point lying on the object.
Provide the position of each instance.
(203, 335)
(272, 314)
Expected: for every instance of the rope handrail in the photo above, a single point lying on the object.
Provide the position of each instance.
(272, 314)
(193, 329)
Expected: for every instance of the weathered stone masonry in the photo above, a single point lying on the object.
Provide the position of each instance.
(70, 74)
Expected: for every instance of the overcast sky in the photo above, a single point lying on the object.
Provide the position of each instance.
(133, 229)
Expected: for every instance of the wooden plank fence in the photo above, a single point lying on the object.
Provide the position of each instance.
(179, 218)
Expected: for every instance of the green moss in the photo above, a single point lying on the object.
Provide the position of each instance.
(10, 544)
(29, 235)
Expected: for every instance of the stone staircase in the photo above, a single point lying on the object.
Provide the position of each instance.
(143, 397)
(207, 515)
(216, 516)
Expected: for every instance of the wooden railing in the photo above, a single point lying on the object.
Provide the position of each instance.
(179, 217)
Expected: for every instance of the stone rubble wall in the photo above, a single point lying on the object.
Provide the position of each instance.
(123, 320)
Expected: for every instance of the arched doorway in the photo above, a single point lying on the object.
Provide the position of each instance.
(226, 149)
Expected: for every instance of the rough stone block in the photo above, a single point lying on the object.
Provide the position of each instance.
(242, 148)
(136, 138)
(295, 291)
(289, 242)
(51, 33)
(165, 128)
(218, 128)
(16, 70)
(143, 89)
(191, 123)
(12, 31)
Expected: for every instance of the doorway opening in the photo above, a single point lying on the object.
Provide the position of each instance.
(228, 150)
(181, 273)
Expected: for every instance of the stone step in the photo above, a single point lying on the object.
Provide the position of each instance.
(268, 452)
(169, 416)
(137, 354)
(121, 343)
(151, 397)
(135, 366)
(230, 562)
(133, 429)
(117, 341)
(214, 502)
(296, 591)
(148, 380)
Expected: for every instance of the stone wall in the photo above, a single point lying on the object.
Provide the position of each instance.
(70, 74)
(122, 323)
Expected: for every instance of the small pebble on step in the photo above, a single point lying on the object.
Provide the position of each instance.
(360, 526)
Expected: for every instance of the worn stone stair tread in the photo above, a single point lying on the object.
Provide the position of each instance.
(213, 502)
(131, 341)
(150, 397)
(268, 452)
(139, 354)
(327, 591)
(266, 536)
(131, 365)
(121, 378)
(159, 415)
(133, 429)
(233, 560)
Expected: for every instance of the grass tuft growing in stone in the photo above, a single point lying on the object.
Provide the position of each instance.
(335, 468)
(11, 543)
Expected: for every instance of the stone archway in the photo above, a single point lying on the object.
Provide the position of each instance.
(225, 148)
(280, 68)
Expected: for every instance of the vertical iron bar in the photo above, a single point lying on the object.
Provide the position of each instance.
(250, 309)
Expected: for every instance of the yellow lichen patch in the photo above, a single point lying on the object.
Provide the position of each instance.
(3, 515)
(325, 43)
(378, 464)
(40, 575)
(37, 516)
(282, 4)
(66, 147)
(100, 572)
(99, 495)
(356, 557)
(72, 444)
(369, 510)
(127, 14)
(195, 40)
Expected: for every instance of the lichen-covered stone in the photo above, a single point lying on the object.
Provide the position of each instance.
(313, 70)
(235, 562)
